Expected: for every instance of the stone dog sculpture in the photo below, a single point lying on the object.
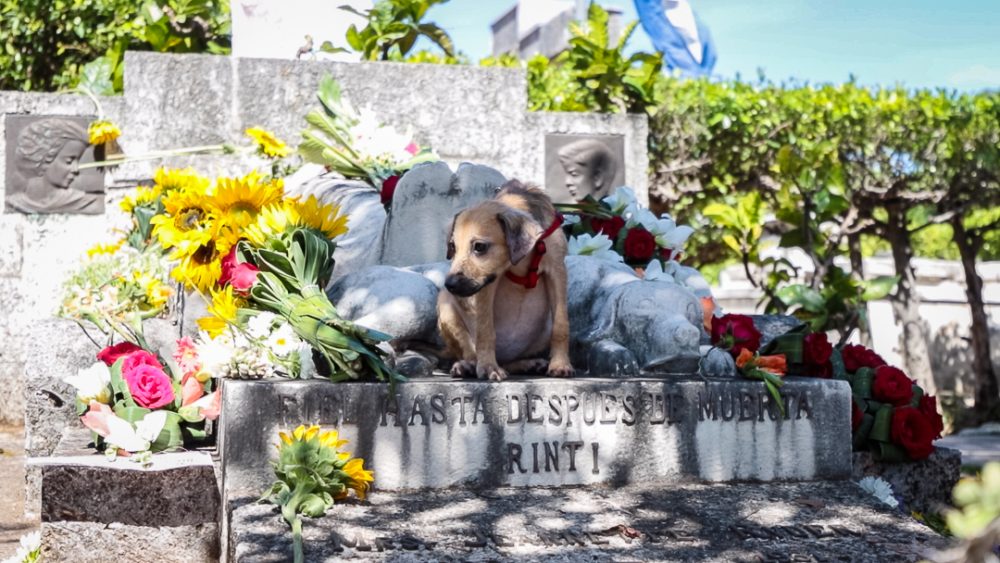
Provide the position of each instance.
(620, 325)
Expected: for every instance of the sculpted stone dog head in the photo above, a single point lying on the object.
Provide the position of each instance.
(485, 241)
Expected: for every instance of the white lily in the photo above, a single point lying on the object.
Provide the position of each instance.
(655, 271)
(92, 383)
(598, 246)
(622, 198)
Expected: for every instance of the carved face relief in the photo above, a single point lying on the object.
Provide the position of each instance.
(61, 172)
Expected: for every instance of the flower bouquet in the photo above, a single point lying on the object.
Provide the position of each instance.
(354, 144)
(738, 335)
(135, 404)
(618, 228)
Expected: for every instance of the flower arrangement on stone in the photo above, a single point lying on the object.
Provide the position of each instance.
(738, 335)
(312, 473)
(136, 404)
(891, 415)
(619, 229)
(356, 145)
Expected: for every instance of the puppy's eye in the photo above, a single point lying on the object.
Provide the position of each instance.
(480, 247)
(451, 249)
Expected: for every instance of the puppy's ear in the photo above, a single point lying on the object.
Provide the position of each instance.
(520, 231)
(451, 237)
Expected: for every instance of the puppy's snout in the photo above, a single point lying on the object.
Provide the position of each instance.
(460, 285)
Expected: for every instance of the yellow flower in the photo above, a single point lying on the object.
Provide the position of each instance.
(267, 143)
(331, 439)
(274, 220)
(361, 478)
(144, 195)
(102, 131)
(236, 202)
(157, 293)
(324, 217)
(99, 248)
(186, 222)
(224, 308)
(170, 179)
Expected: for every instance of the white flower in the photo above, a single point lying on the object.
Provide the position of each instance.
(880, 489)
(373, 140)
(283, 341)
(215, 354)
(28, 550)
(622, 198)
(92, 383)
(571, 219)
(598, 246)
(259, 325)
(122, 435)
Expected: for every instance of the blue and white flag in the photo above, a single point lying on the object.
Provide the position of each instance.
(677, 33)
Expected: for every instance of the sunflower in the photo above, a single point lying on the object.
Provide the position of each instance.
(267, 143)
(187, 222)
(224, 307)
(360, 478)
(102, 131)
(144, 195)
(200, 265)
(237, 201)
(171, 179)
(324, 217)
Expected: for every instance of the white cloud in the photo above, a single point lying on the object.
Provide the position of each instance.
(976, 76)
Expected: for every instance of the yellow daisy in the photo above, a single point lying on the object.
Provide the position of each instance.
(267, 143)
(102, 131)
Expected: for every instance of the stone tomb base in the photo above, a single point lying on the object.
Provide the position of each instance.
(815, 521)
(437, 433)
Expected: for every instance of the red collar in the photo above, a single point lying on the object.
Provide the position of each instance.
(531, 280)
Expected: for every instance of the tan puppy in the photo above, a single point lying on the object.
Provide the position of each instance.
(488, 319)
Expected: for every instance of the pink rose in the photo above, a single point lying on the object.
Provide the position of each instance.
(241, 275)
(111, 354)
(139, 358)
(151, 388)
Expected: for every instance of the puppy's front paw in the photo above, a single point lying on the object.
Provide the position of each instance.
(558, 368)
(492, 372)
(463, 369)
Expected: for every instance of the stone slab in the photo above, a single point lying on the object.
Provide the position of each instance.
(80, 485)
(91, 542)
(924, 486)
(434, 433)
(811, 521)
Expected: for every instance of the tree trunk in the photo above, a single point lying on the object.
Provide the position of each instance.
(858, 266)
(987, 390)
(906, 303)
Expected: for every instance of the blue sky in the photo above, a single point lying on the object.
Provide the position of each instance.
(917, 43)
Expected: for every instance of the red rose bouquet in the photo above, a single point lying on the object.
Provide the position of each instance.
(892, 417)
(738, 335)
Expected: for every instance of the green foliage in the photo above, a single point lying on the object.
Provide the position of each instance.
(978, 501)
(835, 168)
(393, 29)
(594, 74)
(50, 45)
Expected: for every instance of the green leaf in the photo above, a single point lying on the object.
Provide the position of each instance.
(879, 287)
(96, 76)
(883, 424)
(131, 414)
(861, 383)
(118, 384)
(171, 437)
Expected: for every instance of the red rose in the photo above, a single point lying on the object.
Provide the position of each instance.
(857, 357)
(892, 386)
(111, 354)
(817, 349)
(241, 275)
(640, 244)
(912, 431)
(735, 333)
(150, 387)
(857, 415)
(139, 358)
(610, 227)
(388, 189)
(928, 406)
